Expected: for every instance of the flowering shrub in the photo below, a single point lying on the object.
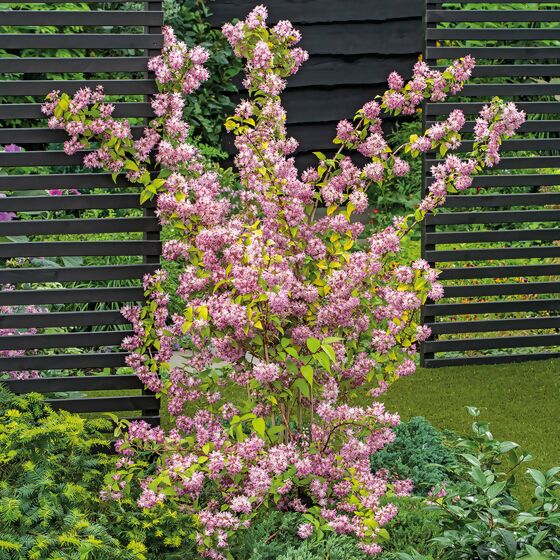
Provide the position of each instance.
(287, 315)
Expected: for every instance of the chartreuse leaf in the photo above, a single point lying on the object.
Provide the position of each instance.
(328, 350)
(259, 425)
(302, 386)
(313, 344)
(324, 360)
(307, 372)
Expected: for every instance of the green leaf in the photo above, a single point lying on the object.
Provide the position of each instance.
(329, 352)
(259, 425)
(302, 386)
(509, 541)
(324, 360)
(496, 489)
(473, 411)
(313, 344)
(307, 372)
(537, 476)
(478, 476)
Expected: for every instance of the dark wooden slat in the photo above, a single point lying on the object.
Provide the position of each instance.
(536, 162)
(337, 70)
(318, 11)
(311, 105)
(495, 325)
(457, 273)
(61, 181)
(517, 180)
(494, 34)
(510, 90)
(43, 87)
(82, 383)
(82, 18)
(33, 110)
(390, 38)
(493, 359)
(69, 226)
(528, 126)
(441, 309)
(37, 135)
(34, 341)
(75, 274)
(512, 70)
(105, 404)
(438, 238)
(79, 248)
(64, 319)
(41, 158)
(493, 53)
(30, 65)
(517, 145)
(506, 217)
(489, 343)
(473, 108)
(436, 16)
(502, 200)
(72, 202)
(84, 295)
(484, 290)
(80, 41)
(64, 361)
(489, 254)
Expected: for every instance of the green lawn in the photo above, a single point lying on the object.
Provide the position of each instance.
(521, 402)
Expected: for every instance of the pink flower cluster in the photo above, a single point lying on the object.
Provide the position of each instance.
(166, 136)
(426, 84)
(496, 122)
(178, 64)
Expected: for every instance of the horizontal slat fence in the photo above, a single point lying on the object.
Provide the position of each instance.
(79, 253)
(499, 249)
(353, 46)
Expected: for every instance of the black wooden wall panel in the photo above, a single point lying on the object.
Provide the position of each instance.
(353, 46)
(502, 283)
(80, 325)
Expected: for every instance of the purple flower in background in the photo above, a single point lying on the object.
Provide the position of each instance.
(60, 192)
(6, 216)
(12, 148)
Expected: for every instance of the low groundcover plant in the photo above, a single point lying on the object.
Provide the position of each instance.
(288, 315)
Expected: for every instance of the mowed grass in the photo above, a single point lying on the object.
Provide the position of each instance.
(521, 402)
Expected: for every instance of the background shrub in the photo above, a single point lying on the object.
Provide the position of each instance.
(47, 469)
(415, 454)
